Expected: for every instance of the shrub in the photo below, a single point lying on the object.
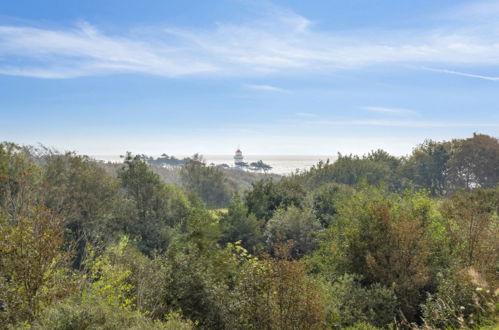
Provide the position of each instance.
(75, 314)
(350, 303)
(295, 226)
(462, 300)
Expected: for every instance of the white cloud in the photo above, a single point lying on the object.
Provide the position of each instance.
(464, 74)
(397, 111)
(403, 123)
(306, 114)
(46, 73)
(267, 88)
(86, 51)
(279, 42)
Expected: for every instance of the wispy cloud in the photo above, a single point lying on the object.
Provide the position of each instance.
(464, 74)
(267, 88)
(306, 114)
(278, 42)
(474, 10)
(86, 51)
(402, 124)
(396, 111)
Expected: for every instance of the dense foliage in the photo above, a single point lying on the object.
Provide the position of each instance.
(363, 243)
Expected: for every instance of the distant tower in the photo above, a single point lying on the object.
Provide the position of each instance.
(238, 158)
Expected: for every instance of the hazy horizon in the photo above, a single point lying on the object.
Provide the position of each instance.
(281, 164)
(302, 146)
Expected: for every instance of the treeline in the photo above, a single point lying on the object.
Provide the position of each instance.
(439, 167)
(164, 160)
(215, 185)
(362, 243)
(171, 161)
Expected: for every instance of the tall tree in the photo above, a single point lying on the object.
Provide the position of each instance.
(474, 162)
(427, 166)
(158, 207)
(208, 182)
(266, 196)
(376, 236)
(240, 225)
(80, 191)
(33, 265)
(293, 226)
(20, 179)
(472, 224)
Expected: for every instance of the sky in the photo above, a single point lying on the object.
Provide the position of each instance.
(273, 77)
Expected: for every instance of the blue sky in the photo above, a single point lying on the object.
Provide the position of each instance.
(281, 77)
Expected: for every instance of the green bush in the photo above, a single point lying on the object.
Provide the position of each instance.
(462, 300)
(98, 314)
(350, 303)
(295, 226)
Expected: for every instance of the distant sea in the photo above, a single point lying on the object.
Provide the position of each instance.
(281, 164)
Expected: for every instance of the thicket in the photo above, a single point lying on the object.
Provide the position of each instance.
(362, 243)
